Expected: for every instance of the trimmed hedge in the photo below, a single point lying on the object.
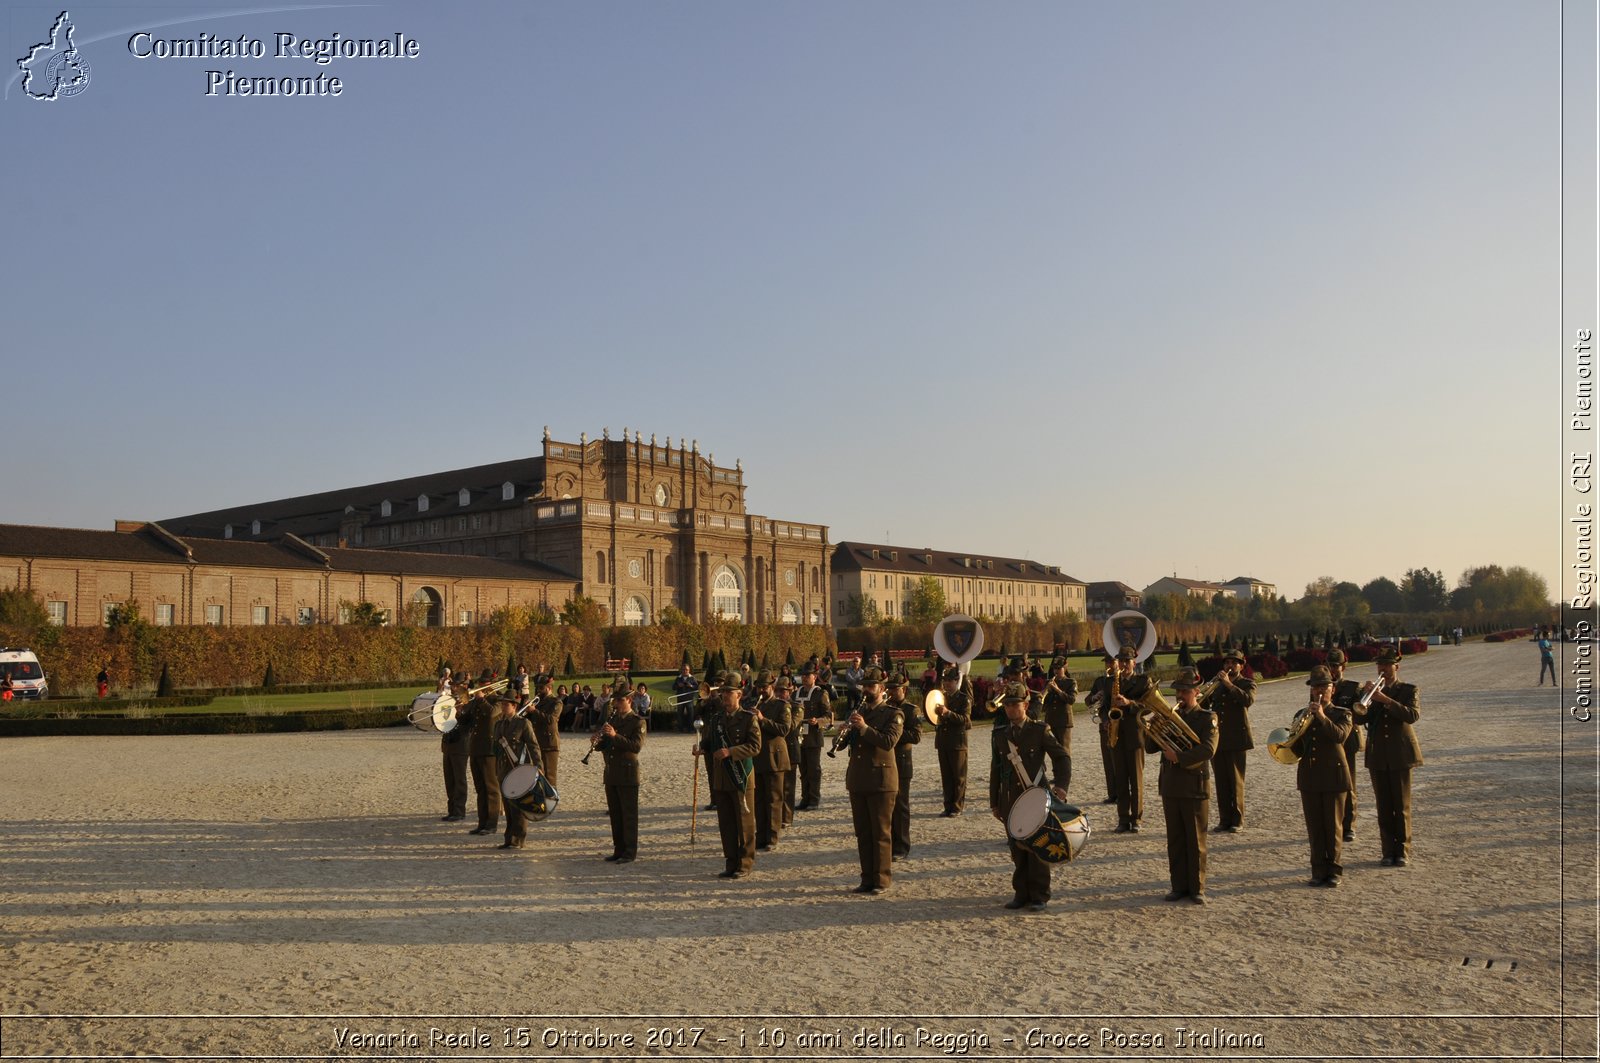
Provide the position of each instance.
(328, 655)
(100, 706)
(203, 723)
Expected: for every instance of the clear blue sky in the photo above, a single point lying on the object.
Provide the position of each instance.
(1248, 288)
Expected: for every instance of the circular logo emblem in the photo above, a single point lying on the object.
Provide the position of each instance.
(661, 494)
(788, 577)
(634, 568)
(68, 72)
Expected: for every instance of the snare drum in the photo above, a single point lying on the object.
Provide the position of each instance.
(1054, 830)
(433, 713)
(526, 788)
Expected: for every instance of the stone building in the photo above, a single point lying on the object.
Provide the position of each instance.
(980, 585)
(1193, 588)
(639, 526)
(1111, 596)
(81, 575)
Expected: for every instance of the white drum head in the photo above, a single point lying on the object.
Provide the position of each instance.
(519, 780)
(1027, 813)
(425, 709)
(444, 716)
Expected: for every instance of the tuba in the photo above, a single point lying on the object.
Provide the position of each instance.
(1164, 726)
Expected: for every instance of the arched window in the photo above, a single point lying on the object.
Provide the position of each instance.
(227, 532)
(464, 497)
(422, 503)
(599, 566)
(507, 491)
(727, 593)
(255, 527)
(386, 508)
(633, 612)
(791, 612)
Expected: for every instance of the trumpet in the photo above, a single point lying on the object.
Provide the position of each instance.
(1211, 685)
(1365, 700)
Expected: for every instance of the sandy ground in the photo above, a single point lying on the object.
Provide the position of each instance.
(239, 895)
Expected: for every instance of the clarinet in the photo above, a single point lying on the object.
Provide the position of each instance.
(597, 740)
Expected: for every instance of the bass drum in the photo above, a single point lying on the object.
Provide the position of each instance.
(1055, 831)
(526, 788)
(433, 713)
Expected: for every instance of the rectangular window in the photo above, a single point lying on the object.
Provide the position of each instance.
(466, 618)
(58, 613)
(306, 615)
(344, 614)
(164, 612)
(214, 615)
(106, 609)
(258, 615)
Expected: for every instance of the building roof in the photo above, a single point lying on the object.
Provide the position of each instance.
(321, 512)
(925, 561)
(1191, 584)
(1103, 588)
(1245, 579)
(151, 543)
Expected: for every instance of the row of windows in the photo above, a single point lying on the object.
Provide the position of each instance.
(215, 615)
(956, 585)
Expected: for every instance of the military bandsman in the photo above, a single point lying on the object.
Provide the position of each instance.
(619, 741)
(1185, 788)
(1019, 747)
(1230, 702)
(772, 763)
(1323, 777)
(730, 741)
(514, 743)
(1392, 751)
(1346, 692)
(910, 735)
(950, 739)
(872, 780)
(816, 708)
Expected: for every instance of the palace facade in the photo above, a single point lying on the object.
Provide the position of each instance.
(638, 526)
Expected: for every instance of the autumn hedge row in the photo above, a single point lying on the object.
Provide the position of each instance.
(209, 657)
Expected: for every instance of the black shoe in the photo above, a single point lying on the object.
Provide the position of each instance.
(1175, 895)
(863, 888)
(1349, 835)
(709, 808)
(1237, 828)
(626, 859)
(1315, 881)
(482, 830)
(727, 874)
(506, 845)
(1134, 829)
(1198, 898)
(877, 891)
(1332, 882)
(451, 819)
(1122, 828)
(1015, 903)
(613, 858)
(1109, 801)
(1399, 861)
(900, 856)
(1036, 906)
(946, 814)
(1387, 861)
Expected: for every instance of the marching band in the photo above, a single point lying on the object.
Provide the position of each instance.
(758, 745)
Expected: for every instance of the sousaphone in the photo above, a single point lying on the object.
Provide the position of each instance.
(957, 639)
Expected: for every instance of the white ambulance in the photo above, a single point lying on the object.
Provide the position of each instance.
(27, 674)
